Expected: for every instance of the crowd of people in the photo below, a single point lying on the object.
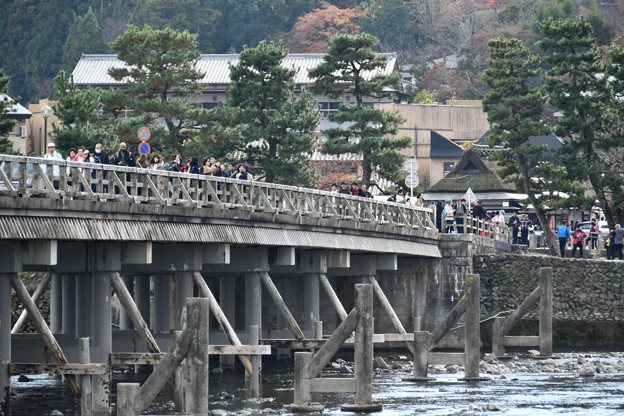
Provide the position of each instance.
(614, 241)
(124, 157)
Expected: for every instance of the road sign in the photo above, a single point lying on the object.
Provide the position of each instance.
(144, 134)
(144, 148)
(411, 181)
(411, 165)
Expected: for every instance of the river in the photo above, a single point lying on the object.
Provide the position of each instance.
(518, 386)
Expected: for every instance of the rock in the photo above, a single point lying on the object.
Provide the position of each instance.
(56, 413)
(451, 369)
(23, 379)
(218, 412)
(493, 407)
(490, 358)
(217, 370)
(224, 395)
(379, 362)
(402, 357)
(340, 361)
(587, 371)
(473, 406)
(533, 352)
(335, 365)
(346, 370)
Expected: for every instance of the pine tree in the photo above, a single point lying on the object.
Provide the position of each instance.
(515, 113)
(277, 127)
(579, 87)
(6, 124)
(160, 68)
(363, 129)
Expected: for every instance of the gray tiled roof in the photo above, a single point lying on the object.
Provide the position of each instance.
(93, 69)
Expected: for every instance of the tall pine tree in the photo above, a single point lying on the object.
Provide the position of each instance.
(349, 68)
(276, 127)
(578, 85)
(515, 113)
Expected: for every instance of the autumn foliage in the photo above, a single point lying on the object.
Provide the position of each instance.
(313, 31)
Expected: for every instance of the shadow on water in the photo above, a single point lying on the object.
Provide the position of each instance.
(517, 393)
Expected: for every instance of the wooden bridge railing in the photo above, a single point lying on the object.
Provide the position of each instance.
(38, 177)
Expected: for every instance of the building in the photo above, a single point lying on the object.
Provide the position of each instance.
(20, 133)
(437, 133)
(92, 71)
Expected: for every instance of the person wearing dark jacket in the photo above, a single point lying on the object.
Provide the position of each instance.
(124, 156)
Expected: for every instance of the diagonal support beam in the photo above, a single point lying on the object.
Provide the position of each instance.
(385, 304)
(333, 344)
(281, 306)
(21, 321)
(42, 327)
(133, 312)
(221, 318)
(342, 313)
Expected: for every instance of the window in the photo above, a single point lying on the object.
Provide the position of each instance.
(448, 167)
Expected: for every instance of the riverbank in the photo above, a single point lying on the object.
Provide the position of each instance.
(585, 383)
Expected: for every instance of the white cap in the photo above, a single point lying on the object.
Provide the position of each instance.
(51, 144)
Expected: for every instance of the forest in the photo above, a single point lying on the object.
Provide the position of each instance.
(442, 43)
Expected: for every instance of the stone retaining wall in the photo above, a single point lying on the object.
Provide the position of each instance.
(584, 290)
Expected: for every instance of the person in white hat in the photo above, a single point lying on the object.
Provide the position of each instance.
(52, 154)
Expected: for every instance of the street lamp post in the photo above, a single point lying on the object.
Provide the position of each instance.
(46, 111)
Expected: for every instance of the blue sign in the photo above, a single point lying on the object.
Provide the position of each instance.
(144, 134)
(144, 148)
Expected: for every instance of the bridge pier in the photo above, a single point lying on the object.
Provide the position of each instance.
(227, 300)
(162, 291)
(183, 290)
(56, 302)
(142, 296)
(68, 313)
(124, 319)
(5, 343)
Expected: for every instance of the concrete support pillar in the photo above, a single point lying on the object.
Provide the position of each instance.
(86, 394)
(363, 362)
(68, 315)
(84, 314)
(142, 296)
(196, 363)
(126, 395)
(421, 349)
(227, 301)
(5, 344)
(253, 300)
(498, 337)
(161, 303)
(546, 311)
(254, 380)
(472, 330)
(184, 290)
(311, 307)
(102, 341)
(56, 302)
(124, 319)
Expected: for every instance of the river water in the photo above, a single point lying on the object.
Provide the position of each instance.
(518, 386)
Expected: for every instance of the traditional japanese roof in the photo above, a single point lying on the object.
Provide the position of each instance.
(551, 140)
(474, 170)
(443, 148)
(14, 109)
(93, 69)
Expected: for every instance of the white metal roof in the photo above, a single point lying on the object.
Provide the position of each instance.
(14, 108)
(93, 69)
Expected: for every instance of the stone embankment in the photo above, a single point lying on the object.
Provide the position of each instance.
(584, 290)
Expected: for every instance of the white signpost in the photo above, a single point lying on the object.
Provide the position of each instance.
(470, 196)
(411, 180)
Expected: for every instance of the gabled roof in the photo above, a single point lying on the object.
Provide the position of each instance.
(473, 171)
(14, 109)
(93, 69)
(551, 140)
(443, 148)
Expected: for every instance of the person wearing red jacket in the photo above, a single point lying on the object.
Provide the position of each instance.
(578, 241)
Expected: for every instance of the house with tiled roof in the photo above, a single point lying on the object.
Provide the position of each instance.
(92, 71)
(20, 134)
(476, 172)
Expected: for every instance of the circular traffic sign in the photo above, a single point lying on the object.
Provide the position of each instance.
(411, 165)
(144, 148)
(411, 181)
(144, 134)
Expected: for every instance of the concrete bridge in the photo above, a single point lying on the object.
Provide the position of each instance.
(263, 253)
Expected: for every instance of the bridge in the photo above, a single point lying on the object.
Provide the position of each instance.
(261, 252)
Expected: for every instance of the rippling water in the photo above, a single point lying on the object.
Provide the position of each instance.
(518, 393)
